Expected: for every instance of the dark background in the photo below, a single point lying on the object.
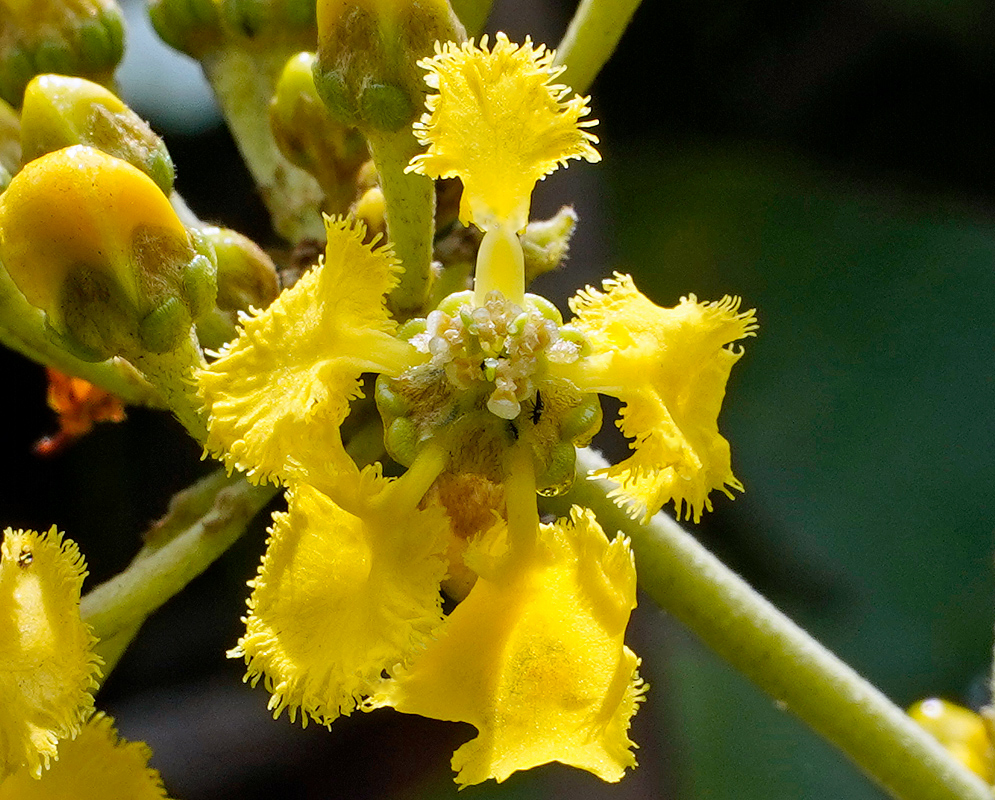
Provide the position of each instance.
(831, 162)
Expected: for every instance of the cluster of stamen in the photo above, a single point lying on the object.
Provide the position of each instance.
(498, 343)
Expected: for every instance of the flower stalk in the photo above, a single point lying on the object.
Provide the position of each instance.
(746, 630)
(593, 34)
(202, 523)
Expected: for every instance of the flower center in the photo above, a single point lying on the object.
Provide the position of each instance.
(498, 346)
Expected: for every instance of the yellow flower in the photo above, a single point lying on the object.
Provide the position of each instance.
(484, 400)
(47, 667)
(534, 656)
(96, 765)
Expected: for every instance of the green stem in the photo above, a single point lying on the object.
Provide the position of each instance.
(591, 38)
(754, 637)
(473, 14)
(202, 523)
(410, 201)
(22, 328)
(244, 83)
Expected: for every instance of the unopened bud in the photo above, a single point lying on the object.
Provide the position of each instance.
(367, 71)
(312, 139)
(246, 279)
(71, 37)
(60, 111)
(190, 26)
(94, 243)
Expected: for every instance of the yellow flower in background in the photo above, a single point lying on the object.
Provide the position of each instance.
(47, 667)
(96, 765)
(485, 402)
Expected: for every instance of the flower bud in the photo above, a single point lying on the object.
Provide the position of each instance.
(95, 244)
(60, 111)
(71, 37)
(247, 279)
(368, 50)
(190, 26)
(312, 139)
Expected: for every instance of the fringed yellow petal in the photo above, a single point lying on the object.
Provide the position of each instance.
(500, 124)
(94, 766)
(339, 599)
(534, 657)
(277, 395)
(47, 667)
(670, 366)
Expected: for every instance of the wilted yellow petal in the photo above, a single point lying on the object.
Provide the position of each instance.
(47, 666)
(499, 124)
(534, 656)
(340, 598)
(94, 766)
(278, 394)
(670, 366)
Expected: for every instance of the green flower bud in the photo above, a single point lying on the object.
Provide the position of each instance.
(71, 37)
(94, 243)
(312, 139)
(59, 111)
(367, 70)
(190, 26)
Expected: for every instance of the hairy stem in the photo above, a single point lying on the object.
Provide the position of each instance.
(754, 637)
(202, 523)
(410, 201)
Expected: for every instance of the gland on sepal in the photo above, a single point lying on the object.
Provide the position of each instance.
(312, 139)
(246, 279)
(70, 37)
(61, 111)
(95, 244)
(367, 71)
(268, 20)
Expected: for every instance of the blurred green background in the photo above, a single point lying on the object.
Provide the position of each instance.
(829, 162)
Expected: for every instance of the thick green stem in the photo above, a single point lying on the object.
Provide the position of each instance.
(782, 659)
(410, 201)
(591, 38)
(202, 523)
(244, 83)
